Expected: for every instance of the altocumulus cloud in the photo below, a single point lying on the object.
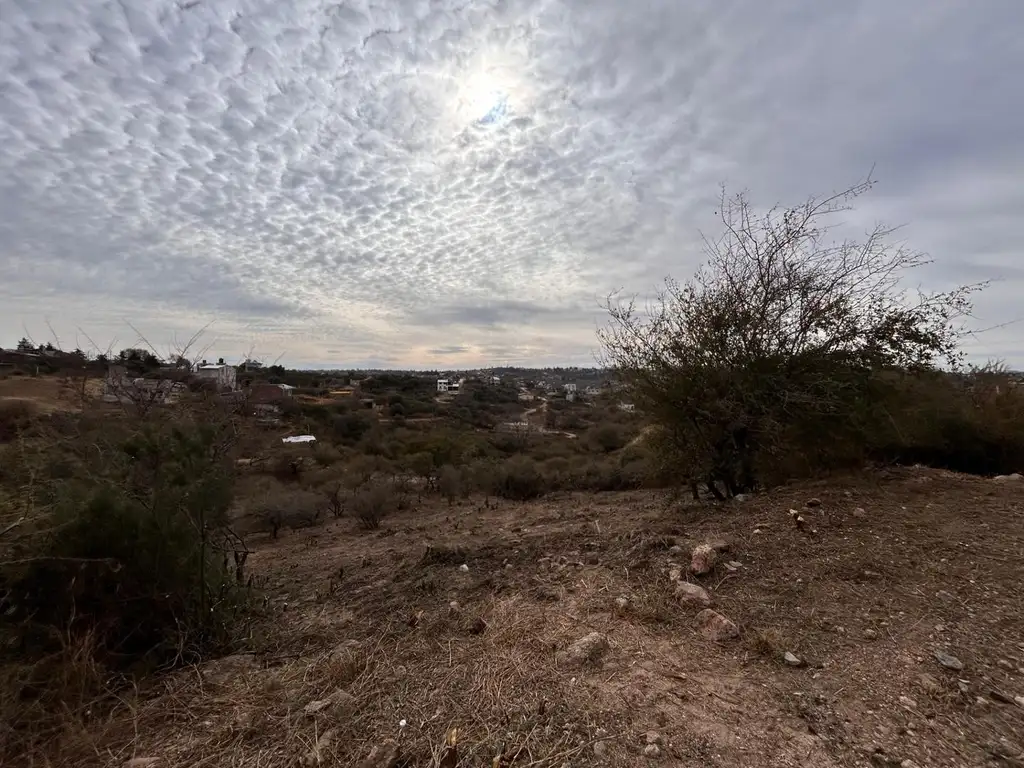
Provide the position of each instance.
(456, 181)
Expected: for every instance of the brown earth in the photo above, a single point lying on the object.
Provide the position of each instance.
(394, 641)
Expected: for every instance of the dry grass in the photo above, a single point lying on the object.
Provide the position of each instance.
(858, 598)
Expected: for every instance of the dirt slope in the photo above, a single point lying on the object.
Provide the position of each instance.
(394, 641)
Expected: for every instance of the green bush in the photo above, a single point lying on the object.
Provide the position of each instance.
(133, 553)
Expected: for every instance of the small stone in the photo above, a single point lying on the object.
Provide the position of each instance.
(621, 603)
(337, 701)
(454, 607)
(675, 574)
(940, 627)
(1005, 664)
(870, 634)
(908, 702)
(999, 696)
(813, 503)
(653, 737)
(908, 764)
(981, 702)
(721, 546)
(716, 627)
(792, 660)
(600, 749)
(948, 661)
(692, 594)
(652, 751)
(1019, 700)
(588, 649)
(741, 497)
(464, 568)
(860, 513)
(675, 549)
(702, 561)
(929, 684)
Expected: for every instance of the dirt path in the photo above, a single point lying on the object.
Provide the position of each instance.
(891, 569)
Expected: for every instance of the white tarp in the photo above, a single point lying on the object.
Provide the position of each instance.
(299, 439)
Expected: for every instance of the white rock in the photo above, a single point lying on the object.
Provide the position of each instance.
(464, 568)
(792, 659)
(652, 750)
(621, 603)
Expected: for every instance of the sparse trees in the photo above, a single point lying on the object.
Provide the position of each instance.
(784, 335)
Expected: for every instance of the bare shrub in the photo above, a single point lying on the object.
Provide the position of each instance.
(16, 415)
(370, 505)
(520, 479)
(449, 482)
(783, 342)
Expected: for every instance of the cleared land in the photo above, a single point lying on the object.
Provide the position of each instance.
(389, 639)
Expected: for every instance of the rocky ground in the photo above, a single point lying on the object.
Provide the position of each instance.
(880, 623)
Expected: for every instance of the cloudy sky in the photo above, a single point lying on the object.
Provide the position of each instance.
(459, 182)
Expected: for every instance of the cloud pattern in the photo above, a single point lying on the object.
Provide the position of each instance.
(459, 182)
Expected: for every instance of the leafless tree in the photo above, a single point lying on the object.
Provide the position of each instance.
(784, 327)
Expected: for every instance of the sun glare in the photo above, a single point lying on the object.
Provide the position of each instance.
(484, 99)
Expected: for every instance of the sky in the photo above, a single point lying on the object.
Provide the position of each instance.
(460, 183)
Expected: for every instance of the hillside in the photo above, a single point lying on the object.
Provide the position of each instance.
(380, 640)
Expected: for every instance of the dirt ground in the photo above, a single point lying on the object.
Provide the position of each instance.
(385, 640)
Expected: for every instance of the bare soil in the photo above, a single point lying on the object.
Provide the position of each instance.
(889, 568)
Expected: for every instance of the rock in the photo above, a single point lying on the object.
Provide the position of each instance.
(741, 497)
(860, 513)
(336, 702)
(675, 549)
(652, 751)
(653, 737)
(1019, 700)
(1008, 478)
(587, 650)
(702, 561)
(999, 696)
(675, 574)
(948, 661)
(600, 749)
(908, 764)
(454, 607)
(386, 755)
(721, 546)
(315, 756)
(716, 627)
(929, 684)
(621, 603)
(693, 594)
(908, 702)
(792, 660)
(464, 568)
(870, 634)
(813, 503)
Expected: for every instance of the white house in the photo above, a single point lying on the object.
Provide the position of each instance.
(224, 375)
(570, 388)
(443, 385)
